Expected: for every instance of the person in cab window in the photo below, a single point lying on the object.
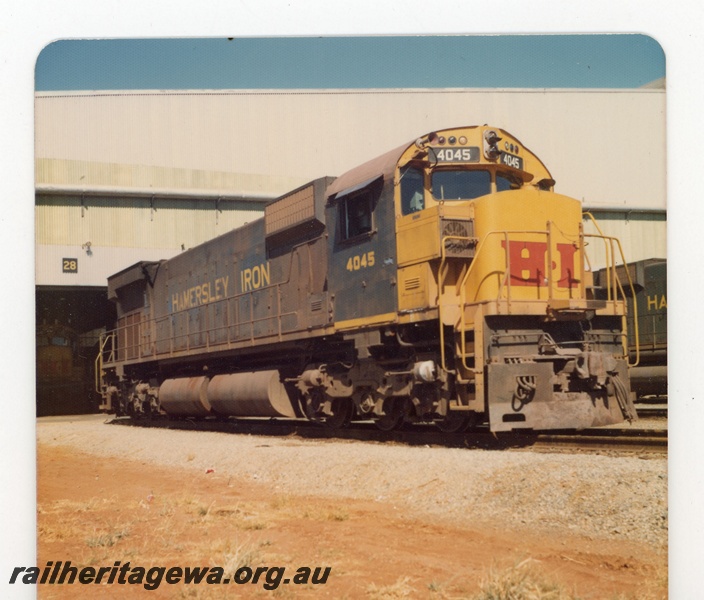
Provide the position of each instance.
(412, 191)
(417, 202)
(360, 218)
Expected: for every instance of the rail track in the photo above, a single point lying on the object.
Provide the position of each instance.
(650, 410)
(598, 440)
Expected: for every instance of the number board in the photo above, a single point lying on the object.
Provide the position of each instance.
(70, 265)
(453, 155)
(511, 160)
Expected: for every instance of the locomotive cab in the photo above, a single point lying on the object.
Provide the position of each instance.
(488, 249)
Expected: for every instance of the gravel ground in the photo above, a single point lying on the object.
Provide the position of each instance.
(589, 495)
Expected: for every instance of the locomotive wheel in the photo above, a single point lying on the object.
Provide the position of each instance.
(453, 423)
(394, 409)
(342, 413)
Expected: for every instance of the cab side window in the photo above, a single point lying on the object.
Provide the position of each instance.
(412, 190)
(356, 214)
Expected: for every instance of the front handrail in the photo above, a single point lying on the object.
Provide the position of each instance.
(505, 285)
(461, 288)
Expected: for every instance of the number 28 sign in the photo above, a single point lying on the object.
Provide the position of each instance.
(69, 265)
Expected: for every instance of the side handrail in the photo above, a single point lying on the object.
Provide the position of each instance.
(441, 283)
(630, 284)
(105, 338)
(617, 285)
(233, 300)
(142, 335)
(608, 251)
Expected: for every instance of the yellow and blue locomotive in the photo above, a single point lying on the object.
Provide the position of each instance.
(443, 281)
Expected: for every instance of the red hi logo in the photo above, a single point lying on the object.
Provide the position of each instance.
(528, 264)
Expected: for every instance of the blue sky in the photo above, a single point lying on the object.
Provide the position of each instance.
(520, 61)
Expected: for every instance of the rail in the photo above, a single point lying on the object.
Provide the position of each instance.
(632, 439)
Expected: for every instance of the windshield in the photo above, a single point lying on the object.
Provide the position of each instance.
(460, 185)
(507, 182)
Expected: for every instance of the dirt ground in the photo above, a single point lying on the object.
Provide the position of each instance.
(98, 511)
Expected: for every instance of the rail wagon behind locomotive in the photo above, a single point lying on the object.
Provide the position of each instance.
(443, 281)
(647, 322)
(62, 372)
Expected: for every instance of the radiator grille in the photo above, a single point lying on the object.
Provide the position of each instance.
(454, 229)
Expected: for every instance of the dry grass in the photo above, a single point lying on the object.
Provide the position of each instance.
(152, 529)
(525, 581)
(521, 582)
(107, 538)
(214, 523)
(400, 589)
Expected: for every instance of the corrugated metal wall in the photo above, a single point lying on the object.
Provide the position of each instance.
(138, 222)
(642, 234)
(124, 230)
(94, 175)
(606, 147)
